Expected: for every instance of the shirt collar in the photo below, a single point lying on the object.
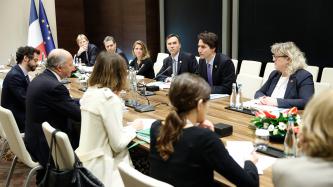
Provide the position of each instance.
(176, 57)
(25, 72)
(211, 60)
(58, 77)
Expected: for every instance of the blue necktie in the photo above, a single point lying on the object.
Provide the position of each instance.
(209, 74)
(174, 67)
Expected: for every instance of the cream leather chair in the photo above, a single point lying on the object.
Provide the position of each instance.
(235, 64)
(250, 67)
(268, 70)
(314, 70)
(17, 146)
(327, 75)
(65, 153)
(159, 61)
(250, 84)
(133, 178)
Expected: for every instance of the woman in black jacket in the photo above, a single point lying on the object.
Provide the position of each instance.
(142, 62)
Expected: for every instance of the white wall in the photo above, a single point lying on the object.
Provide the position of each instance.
(14, 22)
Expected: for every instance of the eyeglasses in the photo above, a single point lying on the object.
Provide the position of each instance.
(276, 57)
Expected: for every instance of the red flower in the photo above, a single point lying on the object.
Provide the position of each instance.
(269, 115)
(293, 111)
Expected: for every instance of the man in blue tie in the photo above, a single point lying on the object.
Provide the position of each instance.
(16, 83)
(216, 68)
(178, 62)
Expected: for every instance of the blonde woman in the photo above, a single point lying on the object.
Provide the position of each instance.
(315, 168)
(142, 62)
(87, 52)
(290, 84)
(104, 140)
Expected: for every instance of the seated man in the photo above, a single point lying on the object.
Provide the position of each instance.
(16, 83)
(216, 68)
(111, 46)
(185, 62)
(49, 100)
(87, 52)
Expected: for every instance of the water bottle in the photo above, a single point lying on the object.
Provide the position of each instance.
(290, 139)
(232, 103)
(239, 101)
(133, 86)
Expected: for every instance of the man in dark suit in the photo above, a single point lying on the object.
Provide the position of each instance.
(178, 62)
(216, 68)
(111, 46)
(49, 100)
(87, 51)
(16, 83)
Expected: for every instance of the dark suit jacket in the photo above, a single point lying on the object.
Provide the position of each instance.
(89, 57)
(146, 68)
(14, 93)
(47, 100)
(299, 90)
(223, 73)
(186, 63)
(121, 53)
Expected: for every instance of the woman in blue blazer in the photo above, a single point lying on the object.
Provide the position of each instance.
(290, 84)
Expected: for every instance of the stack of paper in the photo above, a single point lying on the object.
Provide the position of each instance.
(241, 151)
(144, 134)
(255, 104)
(162, 85)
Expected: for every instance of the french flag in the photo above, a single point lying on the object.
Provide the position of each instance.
(35, 38)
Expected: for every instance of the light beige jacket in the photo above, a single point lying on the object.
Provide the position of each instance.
(103, 140)
(303, 172)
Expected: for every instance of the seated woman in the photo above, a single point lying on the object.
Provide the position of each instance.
(290, 84)
(184, 150)
(315, 168)
(104, 140)
(87, 52)
(142, 62)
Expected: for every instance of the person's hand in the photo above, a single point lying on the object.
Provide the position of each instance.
(268, 101)
(82, 49)
(168, 79)
(207, 124)
(136, 124)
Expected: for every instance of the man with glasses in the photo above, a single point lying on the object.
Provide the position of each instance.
(16, 83)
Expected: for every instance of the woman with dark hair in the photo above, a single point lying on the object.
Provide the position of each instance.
(142, 61)
(184, 149)
(104, 140)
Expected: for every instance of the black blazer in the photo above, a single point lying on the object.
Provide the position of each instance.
(89, 57)
(300, 89)
(146, 68)
(14, 93)
(186, 63)
(122, 54)
(47, 100)
(223, 73)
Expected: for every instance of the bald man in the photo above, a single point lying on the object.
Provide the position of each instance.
(49, 100)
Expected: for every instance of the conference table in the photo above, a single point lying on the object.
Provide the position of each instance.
(242, 130)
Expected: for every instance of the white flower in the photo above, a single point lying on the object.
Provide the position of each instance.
(275, 131)
(265, 125)
(271, 128)
(298, 120)
(282, 126)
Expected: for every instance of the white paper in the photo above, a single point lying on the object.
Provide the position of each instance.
(162, 85)
(146, 122)
(255, 104)
(217, 96)
(241, 150)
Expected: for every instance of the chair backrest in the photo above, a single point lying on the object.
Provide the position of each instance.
(250, 67)
(327, 75)
(63, 151)
(159, 61)
(132, 177)
(250, 84)
(314, 71)
(14, 137)
(321, 86)
(235, 64)
(268, 70)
